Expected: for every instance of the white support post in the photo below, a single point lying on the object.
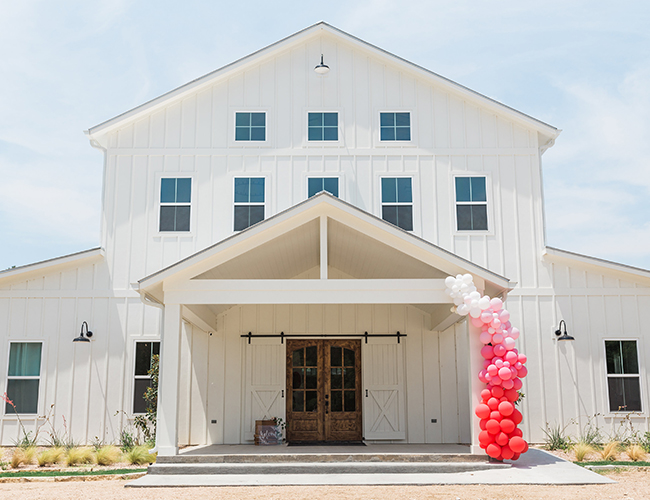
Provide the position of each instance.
(323, 247)
(476, 386)
(168, 386)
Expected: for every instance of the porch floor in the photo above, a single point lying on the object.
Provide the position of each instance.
(369, 449)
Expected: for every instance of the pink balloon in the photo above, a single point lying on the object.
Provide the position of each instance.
(499, 363)
(487, 352)
(507, 384)
(496, 380)
(514, 333)
(497, 392)
(509, 342)
(506, 408)
(486, 394)
(496, 323)
(485, 338)
(504, 315)
(481, 376)
(486, 316)
(499, 349)
(522, 358)
(477, 322)
(492, 370)
(511, 357)
(522, 372)
(496, 304)
(486, 363)
(518, 384)
(497, 338)
(505, 373)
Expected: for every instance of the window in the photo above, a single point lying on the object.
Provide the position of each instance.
(395, 126)
(323, 127)
(249, 201)
(471, 204)
(397, 201)
(144, 352)
(317, 184)
(23, 377)
(623, 383)
(175, 196)
(250, 126)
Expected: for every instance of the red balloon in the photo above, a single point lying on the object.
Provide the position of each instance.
(507, 453)
(486, 394)
(516, 456)
(512, 395)
(507, 425)
(506, 408)
(517, 432)
(493, 426)
(517, 444)
(487, 352)
(522, 372)
(517, 417)
(493, 450)
(495, 415)
(493, 403)
(485, 438)
(497, 392)
(525, 447)
(501, 439)
(482, 423)
(482, 411)
(518, 384)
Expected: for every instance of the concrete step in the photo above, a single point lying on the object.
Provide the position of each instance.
(304, 467)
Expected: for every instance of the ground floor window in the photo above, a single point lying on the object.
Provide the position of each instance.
(144, 352)
(623, 383)
(23, 377)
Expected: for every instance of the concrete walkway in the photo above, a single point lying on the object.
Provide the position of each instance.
(534, 467)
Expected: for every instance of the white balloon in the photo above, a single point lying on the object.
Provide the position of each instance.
(467, 278)
(475, 312)
(475, 295)
(450, 281)
(484, 302)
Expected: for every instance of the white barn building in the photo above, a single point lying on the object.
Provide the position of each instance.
(282, 236)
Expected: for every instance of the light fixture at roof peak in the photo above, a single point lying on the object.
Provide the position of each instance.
(322, 68)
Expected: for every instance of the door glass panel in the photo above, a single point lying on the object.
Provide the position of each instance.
(349, 357)
(298, 401)
(299, 357)
(311, 401)
(337, 400)
(311, 356)
(335, 356)
(349, 401)
(311, 381)
(298, 378)
(336, 378)
(348, 378)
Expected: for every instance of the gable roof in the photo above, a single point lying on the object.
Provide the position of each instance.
(547, 130)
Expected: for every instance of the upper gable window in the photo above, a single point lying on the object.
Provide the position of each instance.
(317, 184)
(23, 377)
(623, 384)
(249, 201)
(395, 126)
(471, 204)
(323, 127)
(250, 126)
(397, 201)
(175, 198)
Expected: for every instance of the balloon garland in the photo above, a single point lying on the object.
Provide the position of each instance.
(503, 369)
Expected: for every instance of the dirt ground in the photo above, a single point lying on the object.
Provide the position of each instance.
(633, 484)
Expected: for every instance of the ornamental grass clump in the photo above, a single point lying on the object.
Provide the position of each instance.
(139, 455)
(51, 456)
(610, 451)
(23, 456)
(582, 450)
(78, 456)
(635, 452)
(108, 455)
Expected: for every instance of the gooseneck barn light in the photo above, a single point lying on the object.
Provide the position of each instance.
(562, 335)
(81, 337)
(322, 68)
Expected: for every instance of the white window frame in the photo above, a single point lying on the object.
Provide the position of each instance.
(488, 187)
(412, 203)
(312, 175)
(338, 126)
(26, 377)
(234, 126)
(395, 142)
(175, 175)
(608, 412)
(138, 377)
(257, 203)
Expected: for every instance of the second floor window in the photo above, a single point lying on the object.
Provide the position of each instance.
(175, 198)
(323, 127)
(317, 184)
(471, 204)
(623, 383)
(250, 126)
(249, 201)
(395, 126)
(397, 201)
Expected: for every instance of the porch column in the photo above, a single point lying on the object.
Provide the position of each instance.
(476, 386)
(167, 429)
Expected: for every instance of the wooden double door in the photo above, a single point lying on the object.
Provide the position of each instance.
(324, 390)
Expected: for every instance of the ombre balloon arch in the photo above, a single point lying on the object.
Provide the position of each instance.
(503, 369)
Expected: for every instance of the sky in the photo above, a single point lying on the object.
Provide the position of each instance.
(582, 66)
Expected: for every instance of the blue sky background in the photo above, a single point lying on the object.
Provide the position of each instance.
(582, 66)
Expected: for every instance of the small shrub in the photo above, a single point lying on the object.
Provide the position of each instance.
(127, 441)
(556, 438)
(23, 456)
(635, 452)
(610, 451)
(645, 442)
(51, 456)
(139, 455)
(78, 456)
(108, 455)
(582, 450)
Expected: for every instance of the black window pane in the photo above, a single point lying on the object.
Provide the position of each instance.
(402, 119)
(24, 394)
(311, 401)
(463, 189)
(405, 217)
(630, 361)
(389, 214)
(242, 190)
(632, 394)
(315, 134)
(256, 214)
(257, 190)
(402, 134)
(624, 394)
(298, 378)
(258, 119)
(478, 189)
(336, 356)
(311, 378)
(182, 218)
(404, 191)
(299, 357)
(156, 347)
(298, 403)
(613, 355)
(349, 378)
(387, 119)
(167, 218)
(350, 403)
(167, 190)
(315, 119)
(139, 404)
(387, 134)
(242, 134)
(246, 215)
(142, 358)
(464, 217)
(311, 355)
(331, 185)
(243, 119)
(336, 378)
(337, 401)
(183, 190)
(330, 119)
(389, 190)
(258, 134)
(330, 134)
(348, 357)
(479, 217)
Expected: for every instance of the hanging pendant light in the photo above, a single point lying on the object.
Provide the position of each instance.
(322, 68)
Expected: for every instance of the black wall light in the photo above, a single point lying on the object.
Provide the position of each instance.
(81, 337)
(562, 335)
(322, 68)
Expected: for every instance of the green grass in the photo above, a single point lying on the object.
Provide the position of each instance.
(608, 462)
(53, 473)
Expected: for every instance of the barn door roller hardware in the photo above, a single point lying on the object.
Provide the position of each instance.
(283, 335)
